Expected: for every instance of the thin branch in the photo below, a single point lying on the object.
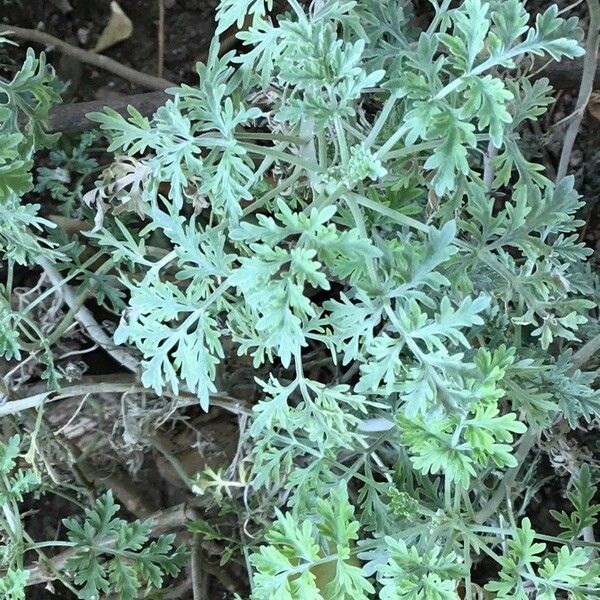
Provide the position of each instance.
(569, 8)
(73, 117)
(589, 349)
(488, 167)
(589, 537)
(527, 443)
(38, 394)
(590, 63)
(199, 575)
(161, 37)
(12, 407)
(87, 320)
(91, 58)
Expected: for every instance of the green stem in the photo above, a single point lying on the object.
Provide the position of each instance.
(283, 156)
(468, 565)
(360, 224)
(50, 544)
(382, 153)
(322, 150)
(48, 564)
(342, 143)
(503, 531)
(271, 137)
(479, 545)
(386, 211)
(9, 279)
(381, 120)
(51, 290)
(282, 187)
(439, 13)
(69, 318)
(527, 443)
(430, 145)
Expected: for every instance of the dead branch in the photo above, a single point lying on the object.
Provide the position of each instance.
(72, 117)
(85, 56)
(87, 319)
(590, 64)
(33, 396)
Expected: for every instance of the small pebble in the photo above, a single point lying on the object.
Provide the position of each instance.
(83, 35)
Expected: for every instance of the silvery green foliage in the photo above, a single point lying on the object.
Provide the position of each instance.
(24, 104)
(15, 484)
(109, 554)
(335, 186)
(25, 101)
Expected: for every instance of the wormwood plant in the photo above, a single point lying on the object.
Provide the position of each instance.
(131, 559)
(352, 186)
(107, 554)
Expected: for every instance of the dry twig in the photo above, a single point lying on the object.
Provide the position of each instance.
(583, 355)
(85, 56)
(161, 37)
(87, 320)
(590, 64)
(37, 394)
(73, 117)
(199, 575)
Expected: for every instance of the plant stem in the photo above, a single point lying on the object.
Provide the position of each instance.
(87, 320)
(439, 13)
(488, 169)
(69, 318)
(91, 58)
(9, 279)
(381, 120)
(116, 384)
(527, 442)
(199, 580)
(360, 224)
(581, 357)
(590, 63)
(50, 544)
(54, 288)
(282, 156)
(386, 211)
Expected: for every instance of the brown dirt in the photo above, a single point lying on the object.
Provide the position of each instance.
(189, 25)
